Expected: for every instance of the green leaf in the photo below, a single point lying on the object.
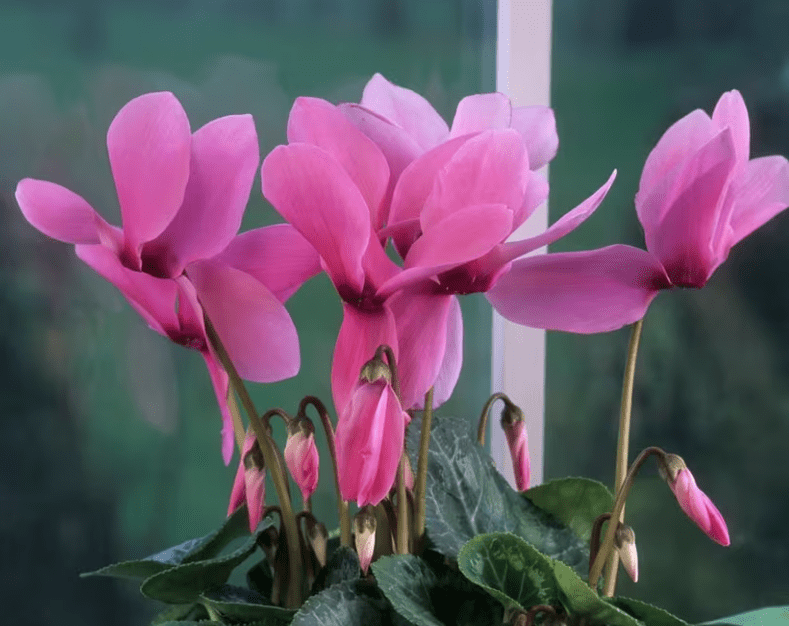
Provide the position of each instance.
(466, 496)
(180, 612)
(769, 616)
(347, 604)
(650, 615)
(576, 502)
(343, 566)
(510, 569)
(406, 581)
(191, 550)
(242, 604)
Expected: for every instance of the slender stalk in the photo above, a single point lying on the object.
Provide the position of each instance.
(271, 460)
(483, 417)
(619, 504)
(594, 541)
(328, 429)
(402, 509)
(238, 424)
(420, 484)
(622, 449)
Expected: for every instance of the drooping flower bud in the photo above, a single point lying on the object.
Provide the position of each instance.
(694, 501)
(250, 483)
(514, 425)
(625, 542)
(318, 537)
(364, 536)
(301, 455)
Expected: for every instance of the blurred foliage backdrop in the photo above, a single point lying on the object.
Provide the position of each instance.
(109, 434)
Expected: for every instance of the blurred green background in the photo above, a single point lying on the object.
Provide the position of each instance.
(109, 433)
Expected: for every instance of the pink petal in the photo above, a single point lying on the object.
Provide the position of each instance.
(422, 335)
(677, 144)
(485, 111)
(490, 168)
(406, 109)
(58, 212)
(278, 256)
(378, 267)
(153, 298)
(149, 146)
(581, 292)
(312, 191)
(221, 384)
(224, 162)
(449, 373)
(253, 325)
(518, 444)
(301, 457)
(731, 113)
(360, 335)
(698, 507)
(761, 193)
(537, 126)
(684, 238)
(238, 491)
(255, 484)
(536, 193)
(567, 223)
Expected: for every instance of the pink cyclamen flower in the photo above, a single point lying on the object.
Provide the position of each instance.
(250, 483)
(370, 438)
(177, 257)
(301, 457)
(699, 195)
(518, 443)
(699, 507)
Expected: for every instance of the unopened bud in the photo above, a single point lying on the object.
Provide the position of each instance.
(670, 466)
(625, 542)
(301, 455)
(364, 525)
(318, 538)
(374, 370)
(514, 425)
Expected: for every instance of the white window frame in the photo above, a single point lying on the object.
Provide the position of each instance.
(523, 71)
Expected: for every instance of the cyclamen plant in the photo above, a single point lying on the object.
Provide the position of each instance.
(421, 547)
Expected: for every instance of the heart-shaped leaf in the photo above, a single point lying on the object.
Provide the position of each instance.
(242, 604)
(406, 581)
(768, 616)
(650, 615)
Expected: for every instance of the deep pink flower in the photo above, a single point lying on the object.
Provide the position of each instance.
(518, 443)
(370, 437)
(301, 457)
(699, 195)
(699, 507)
(250, 483)
(182, 197)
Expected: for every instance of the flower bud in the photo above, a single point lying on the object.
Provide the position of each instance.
(301, 456)
(514, 425)
(318, 537)
(364, 536)
(375, 369)
(250, 482)
(625, 542)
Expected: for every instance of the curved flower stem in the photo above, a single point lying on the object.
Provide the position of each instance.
(619, 504)
(594, 541)
(272, 462)
(238, 424)
(622, 449)
(328, 429)
(483, 417)
(420, 484)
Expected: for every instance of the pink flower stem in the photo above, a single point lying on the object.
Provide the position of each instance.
(420, 483)
(328, 429)
(623, 446)
(267, 447)
(483, 417)
(607, 546)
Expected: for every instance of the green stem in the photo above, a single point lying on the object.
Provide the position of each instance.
(328, 429)
(402, 509)
(420, 484)
(271, 460)
(622, 449)
(619, 504)
(594, 542)
(483, 417)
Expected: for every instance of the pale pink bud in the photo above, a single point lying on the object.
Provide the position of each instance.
(364, 536)
(694, 501)
(625, 542)
(301, 457)
(250, 483)
(514, 426)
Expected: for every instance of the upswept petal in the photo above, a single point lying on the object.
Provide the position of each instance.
(582, 292)
(422, 320)
(58, 212)
(360, 335)
(221, 384)
(489, 168)
(407, 109)
(760, 194)
(253, 325)
(224, 162)
(153, 298)
(378, 267)
(312, 191)
(536, 193)
(565, 224)
(320, 123)
(449, 373)
(537, 126)
(730, 112)
(463, 236)
(149, 148)
(675, 146)
(484, 111)
(696, 198)
(278, 256)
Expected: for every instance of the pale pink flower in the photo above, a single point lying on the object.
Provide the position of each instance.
(301, 457)
(699, 195)
(250, 483)
(518, 443)
(699, 507)
(182, 196)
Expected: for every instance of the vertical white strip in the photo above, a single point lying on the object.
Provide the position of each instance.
(523, 70)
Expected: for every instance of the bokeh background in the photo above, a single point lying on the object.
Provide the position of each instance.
(109, 433)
